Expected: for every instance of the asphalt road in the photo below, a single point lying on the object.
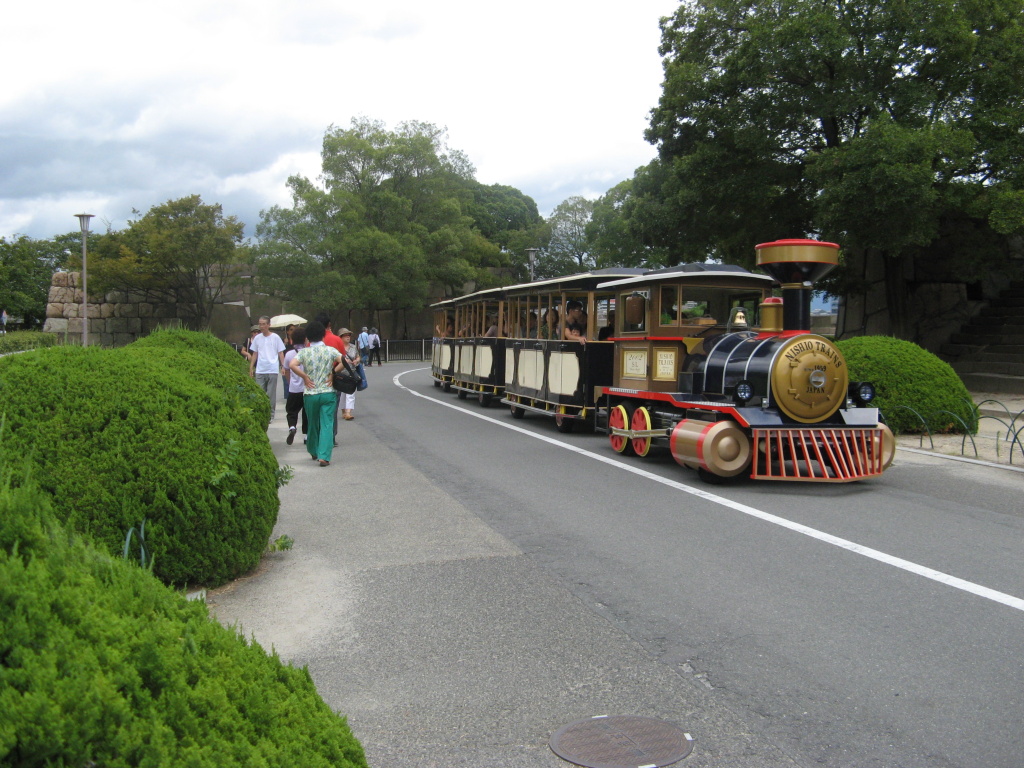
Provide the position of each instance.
(526, 578)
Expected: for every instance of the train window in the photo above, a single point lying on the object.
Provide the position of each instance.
(670, 308)
(634, 316)
(604, 310)
(705, 306)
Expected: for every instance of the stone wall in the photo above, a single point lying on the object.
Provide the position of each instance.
(119, 319)
(938, 300)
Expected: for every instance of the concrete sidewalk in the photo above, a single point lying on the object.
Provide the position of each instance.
(442, 643)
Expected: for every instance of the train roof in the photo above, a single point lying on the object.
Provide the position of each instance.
(696, 272)
(487, 293)
(581, 281)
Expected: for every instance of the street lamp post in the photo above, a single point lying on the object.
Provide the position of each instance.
(532, 255)
(83, 220)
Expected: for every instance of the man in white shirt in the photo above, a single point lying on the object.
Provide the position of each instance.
(267, 361)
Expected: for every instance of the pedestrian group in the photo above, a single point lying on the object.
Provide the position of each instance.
(313, 365)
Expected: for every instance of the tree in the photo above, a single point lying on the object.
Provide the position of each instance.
(182, 251)
(26, 271)
(510, 220)
(568, 250)
(616, 236)
(387, 221)
(498, 210)
(890, 125)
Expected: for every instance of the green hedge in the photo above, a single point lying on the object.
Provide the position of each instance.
(202, 342)
(121, 436)
(205, 357)
(18, 341)
(101, 665)
(909, 381)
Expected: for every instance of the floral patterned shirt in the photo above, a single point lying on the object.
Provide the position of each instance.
(318, 361)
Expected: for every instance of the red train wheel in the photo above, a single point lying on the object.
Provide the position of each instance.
(641, 420)
(619, 418)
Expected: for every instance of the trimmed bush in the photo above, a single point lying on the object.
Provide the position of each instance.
(908, 377)
(18, 341)
(205, 357)
(202, 342)
(100, 664)
(121, 436)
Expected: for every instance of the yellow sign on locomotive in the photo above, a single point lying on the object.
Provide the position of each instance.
(634, 363)
(809, 378)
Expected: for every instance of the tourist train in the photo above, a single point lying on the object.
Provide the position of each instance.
(699, 359)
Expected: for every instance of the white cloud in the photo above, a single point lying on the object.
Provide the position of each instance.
(118, 105)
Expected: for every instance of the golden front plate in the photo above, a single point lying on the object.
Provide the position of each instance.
(809, 378)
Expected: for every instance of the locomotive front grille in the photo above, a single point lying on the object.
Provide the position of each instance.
(830, 454)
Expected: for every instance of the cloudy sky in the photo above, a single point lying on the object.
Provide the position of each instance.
(112, 105)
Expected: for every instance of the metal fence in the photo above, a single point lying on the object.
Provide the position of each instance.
(998, 435)
(406, 349)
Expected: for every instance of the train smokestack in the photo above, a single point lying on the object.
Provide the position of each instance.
(797, 265)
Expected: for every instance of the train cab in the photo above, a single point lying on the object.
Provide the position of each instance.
(671, 317)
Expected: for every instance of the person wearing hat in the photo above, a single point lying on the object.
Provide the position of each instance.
(246, 351)
(348, 402)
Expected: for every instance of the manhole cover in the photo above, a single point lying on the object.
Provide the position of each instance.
(621, 741)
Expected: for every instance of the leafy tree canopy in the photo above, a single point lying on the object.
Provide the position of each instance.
(888, 125)
(26, 270)
(181, 251)
(568, 250)
(615, 234)
(510, 220)
(394, 213)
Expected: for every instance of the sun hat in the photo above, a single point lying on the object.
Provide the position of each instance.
(343, 331)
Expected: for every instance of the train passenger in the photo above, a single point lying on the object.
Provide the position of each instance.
(492, 327)
(574, 315)
(549, 328)
(609, 330)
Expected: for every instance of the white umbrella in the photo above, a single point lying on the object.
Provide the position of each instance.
(280, 321)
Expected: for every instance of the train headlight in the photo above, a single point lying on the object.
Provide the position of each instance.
(744, 391)
(862, 392)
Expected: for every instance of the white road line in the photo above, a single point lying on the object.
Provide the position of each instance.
(897, 562)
